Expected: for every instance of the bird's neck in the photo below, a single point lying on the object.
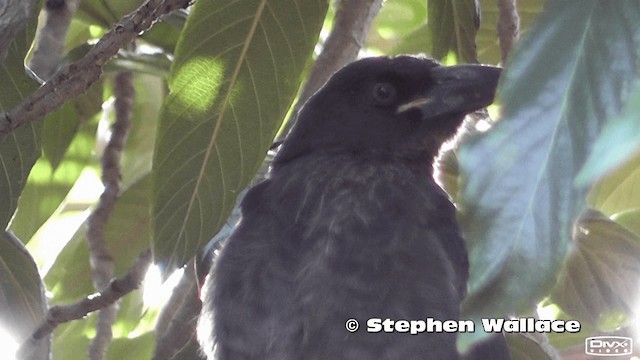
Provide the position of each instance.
(419, 163)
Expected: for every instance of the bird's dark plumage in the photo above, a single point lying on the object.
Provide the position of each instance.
(350, 223)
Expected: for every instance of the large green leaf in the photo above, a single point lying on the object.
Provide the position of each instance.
(618, 139)
(19, 151)
(236, 72)
(618, 192)
(23, 306)
(599, 281)
(563, 85)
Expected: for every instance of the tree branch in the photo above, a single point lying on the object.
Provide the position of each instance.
(101, 260)
(76, 78)
(117, 289)
(508, 27)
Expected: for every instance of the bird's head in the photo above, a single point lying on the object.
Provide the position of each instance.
(404, 106)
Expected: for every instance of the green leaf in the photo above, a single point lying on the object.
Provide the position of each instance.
(23, 306)
(630, 220)
(71, 340)
(236, 73)
(69, 279)
(399, 18)
(19, 151)
(562, 85)
(127, 232)
(618, 192)
(619, 138)
(89, 104)
(140, 347)
(523, 348)
(60, 128)
(451, 28)
(46, 188)
(599, 280)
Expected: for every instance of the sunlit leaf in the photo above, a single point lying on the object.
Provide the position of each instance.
(562, 85)
(236, 72)
(70, 276)
(600, 278)
(399, 18)
(71, 339)
(140, 347)
(630, 220)
(46, 188)
(619, 191)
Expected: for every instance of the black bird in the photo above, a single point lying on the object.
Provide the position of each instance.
(350, 223)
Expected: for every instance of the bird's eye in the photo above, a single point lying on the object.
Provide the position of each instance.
(384, 93)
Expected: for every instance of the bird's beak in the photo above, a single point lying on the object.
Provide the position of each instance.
(457, 90)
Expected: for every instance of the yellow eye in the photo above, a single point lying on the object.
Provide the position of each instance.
(384, 93)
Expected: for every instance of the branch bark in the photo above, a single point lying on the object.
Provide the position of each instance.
(76, 78)
(100, 258)
(117, 289)
(508, 27)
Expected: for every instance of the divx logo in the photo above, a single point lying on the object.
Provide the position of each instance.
(608, 346)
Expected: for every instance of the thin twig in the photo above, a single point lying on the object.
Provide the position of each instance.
(508, 27)
(101, 260)
(117, 289)
(76, 78)
(350, 29)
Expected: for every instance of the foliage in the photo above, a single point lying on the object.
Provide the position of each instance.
(214, 85)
